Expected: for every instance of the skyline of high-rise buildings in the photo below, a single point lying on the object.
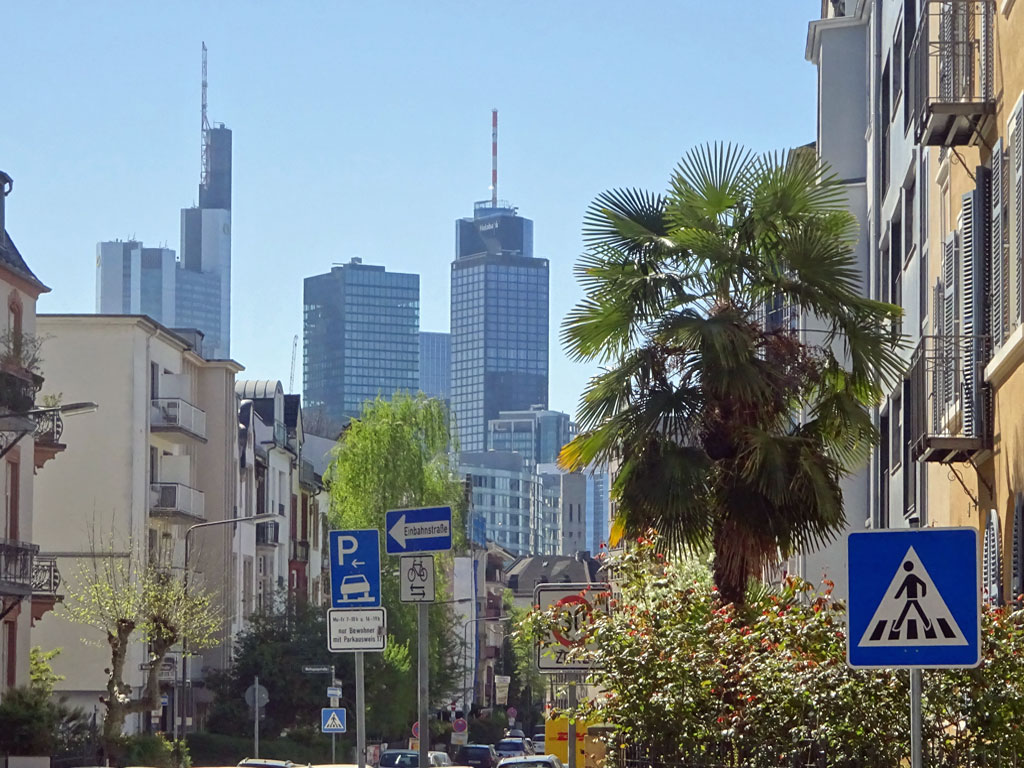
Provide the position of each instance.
(436, 364)
(499, 320)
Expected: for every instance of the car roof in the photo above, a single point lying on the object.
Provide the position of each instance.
(270, 763)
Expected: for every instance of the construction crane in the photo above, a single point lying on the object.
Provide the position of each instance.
(295, 348)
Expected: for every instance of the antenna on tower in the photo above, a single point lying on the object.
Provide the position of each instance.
(494, 158)
(204, 173)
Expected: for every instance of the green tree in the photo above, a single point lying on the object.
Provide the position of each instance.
(527, 686)
(129, 602)
(396, 455)
(731, 426)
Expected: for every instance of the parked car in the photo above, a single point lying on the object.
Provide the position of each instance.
(477, 756)
(259, 762)
(399, 758)
(532, 761)
(515, 732)
(538, 742)
(439, 759)
(513, 747)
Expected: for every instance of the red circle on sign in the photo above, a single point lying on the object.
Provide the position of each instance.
(416, 730)
(512, 712)
(569, 600)
(460, 725)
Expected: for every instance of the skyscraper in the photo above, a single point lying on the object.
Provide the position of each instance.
(360, 337)
(536, 434)
(499, 320)
(436, 364)
(134, 280)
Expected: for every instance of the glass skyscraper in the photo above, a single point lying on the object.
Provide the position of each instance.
(436, 364)
(499, 321)
(361, 337)
(134, 280)
(536, 434)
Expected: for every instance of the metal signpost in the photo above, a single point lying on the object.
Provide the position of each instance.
(425, 529)
(915, 603)
(574, 603)
(256, 696)
(355, 622)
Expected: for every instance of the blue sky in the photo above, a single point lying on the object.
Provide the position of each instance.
(363, 129)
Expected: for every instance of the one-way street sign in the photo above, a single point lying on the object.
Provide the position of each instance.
(427, 529)
(915, 598)
(355, 568)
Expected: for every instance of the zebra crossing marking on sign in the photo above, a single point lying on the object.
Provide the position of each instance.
(332, 720)
(912, 611)
(914, 599)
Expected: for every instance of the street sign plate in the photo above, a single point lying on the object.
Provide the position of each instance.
(426, 529)
(416, 729)
(318, 669)
(416, 574)
(334, 692)
(915, 598)
(256, 696)
(332, 720)
(460, 725)
(575, 603)
(355, 568)
(362, 629)
(460, 738)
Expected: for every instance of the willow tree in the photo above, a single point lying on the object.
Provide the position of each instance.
(740, 356)
(128, 601)
(395, 455)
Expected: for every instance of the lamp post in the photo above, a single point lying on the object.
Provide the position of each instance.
(188, 533)
(23, 423)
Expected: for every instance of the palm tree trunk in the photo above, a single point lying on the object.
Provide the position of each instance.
(732, 565)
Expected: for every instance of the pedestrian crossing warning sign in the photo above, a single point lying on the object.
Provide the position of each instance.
(332, 720)
(912, 611)
(915, 598)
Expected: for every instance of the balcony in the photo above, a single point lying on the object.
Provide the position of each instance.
(178, 419)
(267, 533)
(951, 72)
(16, 560)
(950, 408)
(18, 388)
(176, 500)
(299, 552)
(49, 430)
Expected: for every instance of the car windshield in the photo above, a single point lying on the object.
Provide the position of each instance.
(510, 744)
(399, 760)
(473, 752)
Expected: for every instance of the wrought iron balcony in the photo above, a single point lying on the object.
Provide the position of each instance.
(18, 389)
(951, 72)
(49, 427)
(46, 577)
(299, 551)
(177, 499)
(16, 558)
(177, 417)
(267, 533)
(950, 408)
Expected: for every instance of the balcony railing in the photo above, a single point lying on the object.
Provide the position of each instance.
(177, 499)
(16, 559)
(49, 427)
(950, 409)
(951, 71)
(267, 533)
(299, 551)
(173, 413)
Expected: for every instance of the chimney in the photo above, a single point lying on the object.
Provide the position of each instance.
(6, 185)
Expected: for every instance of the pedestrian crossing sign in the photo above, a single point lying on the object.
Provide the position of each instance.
(332, 720)
(915, 598)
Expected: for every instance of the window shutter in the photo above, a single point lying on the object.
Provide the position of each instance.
(997, 253)
(1016, 151)
(1017, 556)
(946, 53)
(939, 401)
(948, 328)
(973, 260)
(990, 564)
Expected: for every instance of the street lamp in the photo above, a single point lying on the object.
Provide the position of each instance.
(188, 533)
(24, 423)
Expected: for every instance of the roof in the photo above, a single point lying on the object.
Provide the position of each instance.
(11, 258)
(258, 389)
(527, 572)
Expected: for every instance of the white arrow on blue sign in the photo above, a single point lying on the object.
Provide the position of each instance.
(915, 598)
(355, 568)
(334, 692)
(332, 720)
(425, 529)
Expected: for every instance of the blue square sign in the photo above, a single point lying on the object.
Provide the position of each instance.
(332, 720)
(915, 598)
(355, 568)
(425, 529)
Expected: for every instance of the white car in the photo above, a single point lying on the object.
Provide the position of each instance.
(532, 761)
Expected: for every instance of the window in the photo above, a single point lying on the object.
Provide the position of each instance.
(8, 638)
(896, 433)
(897, 68)
(10, 521)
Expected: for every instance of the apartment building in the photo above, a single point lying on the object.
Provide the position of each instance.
(28, 437)
(162, 458)
(944, 111)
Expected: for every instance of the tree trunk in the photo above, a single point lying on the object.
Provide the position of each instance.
(731, 568)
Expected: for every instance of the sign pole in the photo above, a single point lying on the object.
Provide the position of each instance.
(360, 712)
(572, 724)
(256, 720)
(916, 759)
(424, 682)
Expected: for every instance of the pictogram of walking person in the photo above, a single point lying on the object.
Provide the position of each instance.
(912, 585)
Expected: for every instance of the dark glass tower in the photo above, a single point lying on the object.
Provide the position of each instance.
(436, 364)
(361, 337)
(499, 321)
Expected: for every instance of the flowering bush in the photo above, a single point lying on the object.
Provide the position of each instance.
(678, 673)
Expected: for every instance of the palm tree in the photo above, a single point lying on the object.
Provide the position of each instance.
(731, 429)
